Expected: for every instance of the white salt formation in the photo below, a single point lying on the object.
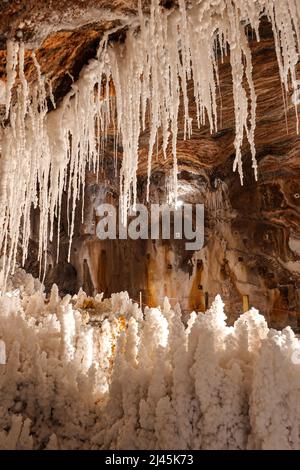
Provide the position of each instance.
(41, 155)
(87, 373)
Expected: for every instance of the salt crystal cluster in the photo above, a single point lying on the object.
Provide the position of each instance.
(88, 373)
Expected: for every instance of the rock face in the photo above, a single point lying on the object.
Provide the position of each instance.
(252, 233)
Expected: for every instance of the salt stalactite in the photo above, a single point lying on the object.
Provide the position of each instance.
(103, 374)
(11, 73)
(165, 55)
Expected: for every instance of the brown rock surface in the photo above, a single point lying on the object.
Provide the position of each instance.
(252, 237)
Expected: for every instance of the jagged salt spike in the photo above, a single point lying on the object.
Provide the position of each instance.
(11, 73)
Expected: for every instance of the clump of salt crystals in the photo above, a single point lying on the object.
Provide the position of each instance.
(42, 154)
(88, 373)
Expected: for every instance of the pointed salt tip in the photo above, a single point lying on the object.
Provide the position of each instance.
(288, 333)
(177, 309)
(66, 300)
(218, 301)
(217, 308)
(273, 333)
(191, 320)
(254, 311)
(166, 305)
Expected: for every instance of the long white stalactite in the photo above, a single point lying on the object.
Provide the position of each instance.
(43, 154)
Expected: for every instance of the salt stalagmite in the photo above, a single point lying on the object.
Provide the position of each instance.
(88, 373)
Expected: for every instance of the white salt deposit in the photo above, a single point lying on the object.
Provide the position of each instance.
(82, 373)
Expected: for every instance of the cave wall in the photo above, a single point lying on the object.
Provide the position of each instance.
(251, 250)
(252, 236)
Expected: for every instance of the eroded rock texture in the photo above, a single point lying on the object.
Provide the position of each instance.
(252, 236)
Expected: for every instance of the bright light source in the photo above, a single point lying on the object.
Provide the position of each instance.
(178, 203)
